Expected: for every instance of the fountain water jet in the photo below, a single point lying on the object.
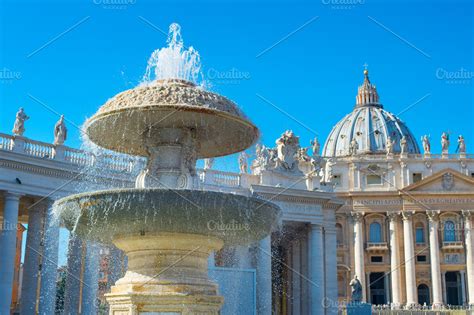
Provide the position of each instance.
(163, 225)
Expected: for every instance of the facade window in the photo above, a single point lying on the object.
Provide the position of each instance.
(376, 259)
(375, 231)
(374, 179)
(339, 235)
(336, 180)
(420, 234)
(449, 231)
(417, 177)
(421, 258)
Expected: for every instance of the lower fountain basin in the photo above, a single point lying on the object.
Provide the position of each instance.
(109, 214)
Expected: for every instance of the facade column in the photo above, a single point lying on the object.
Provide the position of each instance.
(8, 250)
(49, 264)
(316, 269)
(359, 255)
(468, 234)
(462, 274)
(31, 266)
(330, 250)
(443, 281)
(394, 218)
(410, 271)
(433, 217)
(264, 277)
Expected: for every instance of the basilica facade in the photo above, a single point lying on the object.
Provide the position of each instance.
(405, 227)
(370, 203)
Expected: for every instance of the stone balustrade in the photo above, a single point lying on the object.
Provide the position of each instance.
(111, 162)
(376, 246)
(375, 157)
(37, 149)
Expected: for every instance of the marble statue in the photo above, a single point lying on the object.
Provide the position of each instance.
(389, 146)
(60, 132)
(19, 126)
(353, 147)
(243, 162)
(287, 150)
(258, 152)
(208, 163)
(329, 168)
(315, 146)
(356, 295)
(303, 155)
(262, 154)
(444, 143)
(461, 144)
(403, 145)
(317, 163)
(426, 144)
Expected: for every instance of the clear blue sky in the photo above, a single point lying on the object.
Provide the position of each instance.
(312, 72)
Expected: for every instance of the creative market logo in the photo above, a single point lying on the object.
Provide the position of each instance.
(230, 76)
(8, 76)
(114, 4)
(459, 76)
(343, 4)
(231, 226)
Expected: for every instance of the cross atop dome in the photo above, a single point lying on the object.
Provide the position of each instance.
(367, 93)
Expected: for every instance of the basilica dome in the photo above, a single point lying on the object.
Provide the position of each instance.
(370, 126)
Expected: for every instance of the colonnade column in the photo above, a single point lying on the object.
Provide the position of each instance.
(74, 275)
(410, 271)
(264, 277)
(49, 264)
(468, 215)
(394, 218)
(433, 217)
(31, 266)
(330, 250)
(359, 255)
(296, 279)
(90, 280)
(316, 269)
(8, 250)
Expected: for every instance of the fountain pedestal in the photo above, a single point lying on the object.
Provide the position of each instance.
(167, 274)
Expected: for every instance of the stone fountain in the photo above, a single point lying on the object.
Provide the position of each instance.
(163, 223)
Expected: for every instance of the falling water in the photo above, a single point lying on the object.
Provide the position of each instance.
(174, 61)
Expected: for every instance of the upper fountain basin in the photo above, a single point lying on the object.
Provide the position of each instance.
(104, 215)
(127, 121)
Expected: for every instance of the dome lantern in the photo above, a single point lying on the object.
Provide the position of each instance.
(367, 93)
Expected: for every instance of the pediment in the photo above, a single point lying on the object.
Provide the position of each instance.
(447, 180)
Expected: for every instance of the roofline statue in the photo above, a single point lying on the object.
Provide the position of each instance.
(19, 126)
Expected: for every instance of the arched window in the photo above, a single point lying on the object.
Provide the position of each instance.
(423, 294)
(420, 233)
(449, 231)
(375, 231)
(339, 234)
